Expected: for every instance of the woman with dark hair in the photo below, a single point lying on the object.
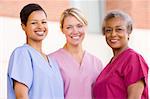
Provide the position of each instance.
(126, 75)
(31, 74)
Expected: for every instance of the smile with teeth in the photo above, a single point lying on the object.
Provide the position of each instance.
(40, 33)
(75, 37)
(113, 40)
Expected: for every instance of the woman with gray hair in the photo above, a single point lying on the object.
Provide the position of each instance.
(126, 75)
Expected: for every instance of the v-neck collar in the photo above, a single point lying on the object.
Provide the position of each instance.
(42, 57)
(110, 67)
(112, 62)
(80, 65)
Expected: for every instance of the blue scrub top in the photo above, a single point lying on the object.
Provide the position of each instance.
(43, 79)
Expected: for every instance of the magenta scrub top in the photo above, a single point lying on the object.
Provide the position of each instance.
(126, 69)
(78, 78)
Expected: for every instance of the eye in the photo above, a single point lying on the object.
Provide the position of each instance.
(69, 27)
(79, 25)
(119, 29)
(33, 22)
(108, 30)
(44, 22)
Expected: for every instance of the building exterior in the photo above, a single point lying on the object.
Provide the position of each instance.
(94, 10)
(139, 9)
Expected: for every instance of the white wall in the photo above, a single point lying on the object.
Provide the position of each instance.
(93, 10)
(11, 36)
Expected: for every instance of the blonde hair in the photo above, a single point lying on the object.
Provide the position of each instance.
(72, 12)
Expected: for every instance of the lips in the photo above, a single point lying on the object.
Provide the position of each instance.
(75, 37)
(40, 33)
(113, 40)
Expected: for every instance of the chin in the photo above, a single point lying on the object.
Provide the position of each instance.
(40, 39)
(115, 47)
(76, 44)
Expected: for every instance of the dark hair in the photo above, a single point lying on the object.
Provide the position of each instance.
(27, 10)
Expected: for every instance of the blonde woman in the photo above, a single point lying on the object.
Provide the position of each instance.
(79, 68)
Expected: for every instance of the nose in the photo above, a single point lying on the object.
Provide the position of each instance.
(40, 25)
(75, 30)
(113, 33)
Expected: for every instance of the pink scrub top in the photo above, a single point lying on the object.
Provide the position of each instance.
(78, 78)
(128, 68)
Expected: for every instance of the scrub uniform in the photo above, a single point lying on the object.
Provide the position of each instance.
(42, 78)
(128, 68)
(78, 78)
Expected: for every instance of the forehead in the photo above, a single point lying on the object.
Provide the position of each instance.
(37, 15)
(115, 21)
(71, 20)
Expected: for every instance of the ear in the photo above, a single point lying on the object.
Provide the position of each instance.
(129, 36)
(23, 26)
(62, 31)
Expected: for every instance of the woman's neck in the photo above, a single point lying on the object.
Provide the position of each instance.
(76, 51)
(73, 49)
(118, 51)
(36, 45)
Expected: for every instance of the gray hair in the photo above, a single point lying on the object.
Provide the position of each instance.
(121, 14)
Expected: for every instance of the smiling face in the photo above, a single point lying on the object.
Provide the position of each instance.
(74, 30)
(116, 33)
(36, 27)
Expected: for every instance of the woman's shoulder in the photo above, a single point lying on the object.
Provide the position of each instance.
(58, 53)
(55, 52)
(132, 53)
(21, 50)
(134, 56)
(23, 47)
(91, 55)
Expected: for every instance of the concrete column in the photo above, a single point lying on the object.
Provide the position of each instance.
(93, 10)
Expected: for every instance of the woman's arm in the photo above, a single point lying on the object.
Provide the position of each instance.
(135, 90)
(21, 90)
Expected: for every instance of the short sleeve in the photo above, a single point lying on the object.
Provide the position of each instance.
(136, 69)
(20, 67)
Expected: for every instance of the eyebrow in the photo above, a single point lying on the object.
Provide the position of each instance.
(121, 26)
(115, 26)
(37, 20)
(68, 25)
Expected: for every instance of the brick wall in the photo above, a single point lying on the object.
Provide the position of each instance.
(138, 9)
(53, 8)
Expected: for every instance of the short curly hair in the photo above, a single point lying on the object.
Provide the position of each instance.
(120, 14)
